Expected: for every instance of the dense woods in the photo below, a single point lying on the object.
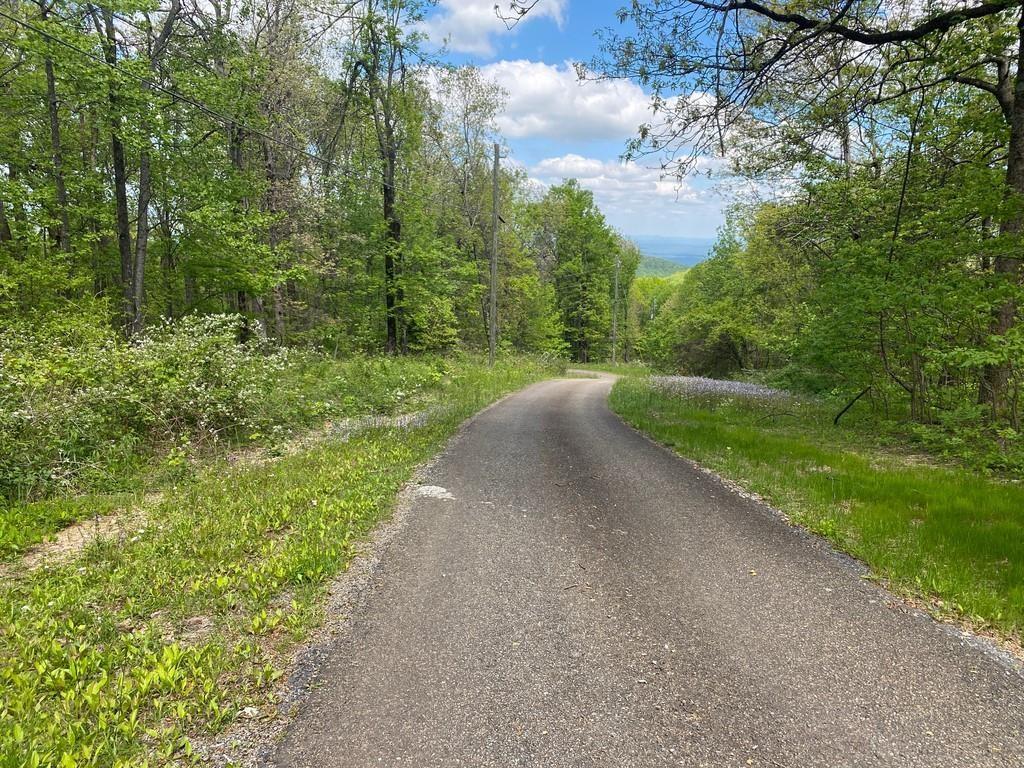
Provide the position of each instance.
(887, 262)
(316, 173)
(307, 169)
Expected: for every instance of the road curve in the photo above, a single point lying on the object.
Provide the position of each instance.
(588, 599)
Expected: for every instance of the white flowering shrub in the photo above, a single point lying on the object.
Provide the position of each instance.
(193, 376)
(81, 402)
(703, 388)
(81, 409)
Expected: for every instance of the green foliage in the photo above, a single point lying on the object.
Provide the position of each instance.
(732, 312)
(843, 306)
(78, 403)
(943, 533)
(888, 259)
(82, 409)
(654, 266)
(270, 204)
(585, 252)
(227, 214)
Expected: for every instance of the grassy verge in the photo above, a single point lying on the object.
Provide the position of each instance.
(942, 533)
(622, 369)
(115, 658)
(24, 525)
(307, 391)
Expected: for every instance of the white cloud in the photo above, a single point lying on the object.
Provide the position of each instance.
(468, 26)
(636, 199)
(548, 100)
(612, 179)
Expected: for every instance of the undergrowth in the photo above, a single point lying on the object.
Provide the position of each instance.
(87, 421)
(83, 411)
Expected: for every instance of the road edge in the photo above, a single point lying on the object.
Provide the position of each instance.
(253, 742)
(1005, 653)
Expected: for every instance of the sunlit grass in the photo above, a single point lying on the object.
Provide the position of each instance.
(621, 369)
(941, 532)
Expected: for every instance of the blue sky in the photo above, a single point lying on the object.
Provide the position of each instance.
(557, 127)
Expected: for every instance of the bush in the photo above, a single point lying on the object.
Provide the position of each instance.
(962, 433)
(83, 410)
(81, 403)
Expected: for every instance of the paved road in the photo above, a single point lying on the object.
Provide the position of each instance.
(587, 599)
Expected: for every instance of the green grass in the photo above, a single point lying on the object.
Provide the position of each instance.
(943, 533)
(22, 525)
(622, 369)
(306, 393)
(114, 659)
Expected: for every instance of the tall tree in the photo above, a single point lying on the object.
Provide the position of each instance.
(155, 48)
(385, 43)
(585, 251)
(64, 227)
(461, 130)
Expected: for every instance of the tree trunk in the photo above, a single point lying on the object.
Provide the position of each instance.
(278, 296)
(996, 377)
(275, 205)
(141, 245)
(95, 222)
(190, 291)
(256, 308)
(168, 263)
(145, 195)
(123, 226)
(16, 233)
(248, 304)
(394, 231)
(64, 228)
(20, 217)
(5, 225)
(919, 395)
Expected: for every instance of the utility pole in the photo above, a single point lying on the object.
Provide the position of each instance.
(492, 319)
(615, 309)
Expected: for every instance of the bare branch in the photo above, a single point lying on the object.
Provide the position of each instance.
(517, 11)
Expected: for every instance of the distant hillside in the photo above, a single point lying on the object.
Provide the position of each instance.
(654, 266)
(684, 251)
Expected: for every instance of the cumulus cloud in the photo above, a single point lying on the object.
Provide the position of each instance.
(636, 199)
(614, 180)
(549, 100)
(468, 26)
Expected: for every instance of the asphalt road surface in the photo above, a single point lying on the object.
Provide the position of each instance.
(585, 598)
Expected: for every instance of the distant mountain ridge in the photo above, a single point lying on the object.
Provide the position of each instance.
(685, 251)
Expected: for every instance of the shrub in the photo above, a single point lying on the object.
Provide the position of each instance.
(79, 402)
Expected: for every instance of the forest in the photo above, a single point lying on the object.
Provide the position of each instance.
(306, 177)
(258, 261)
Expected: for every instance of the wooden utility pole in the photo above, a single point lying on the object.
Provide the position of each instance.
(492, 319)
(615, 309)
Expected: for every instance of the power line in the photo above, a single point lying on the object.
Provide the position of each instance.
(226, 120)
